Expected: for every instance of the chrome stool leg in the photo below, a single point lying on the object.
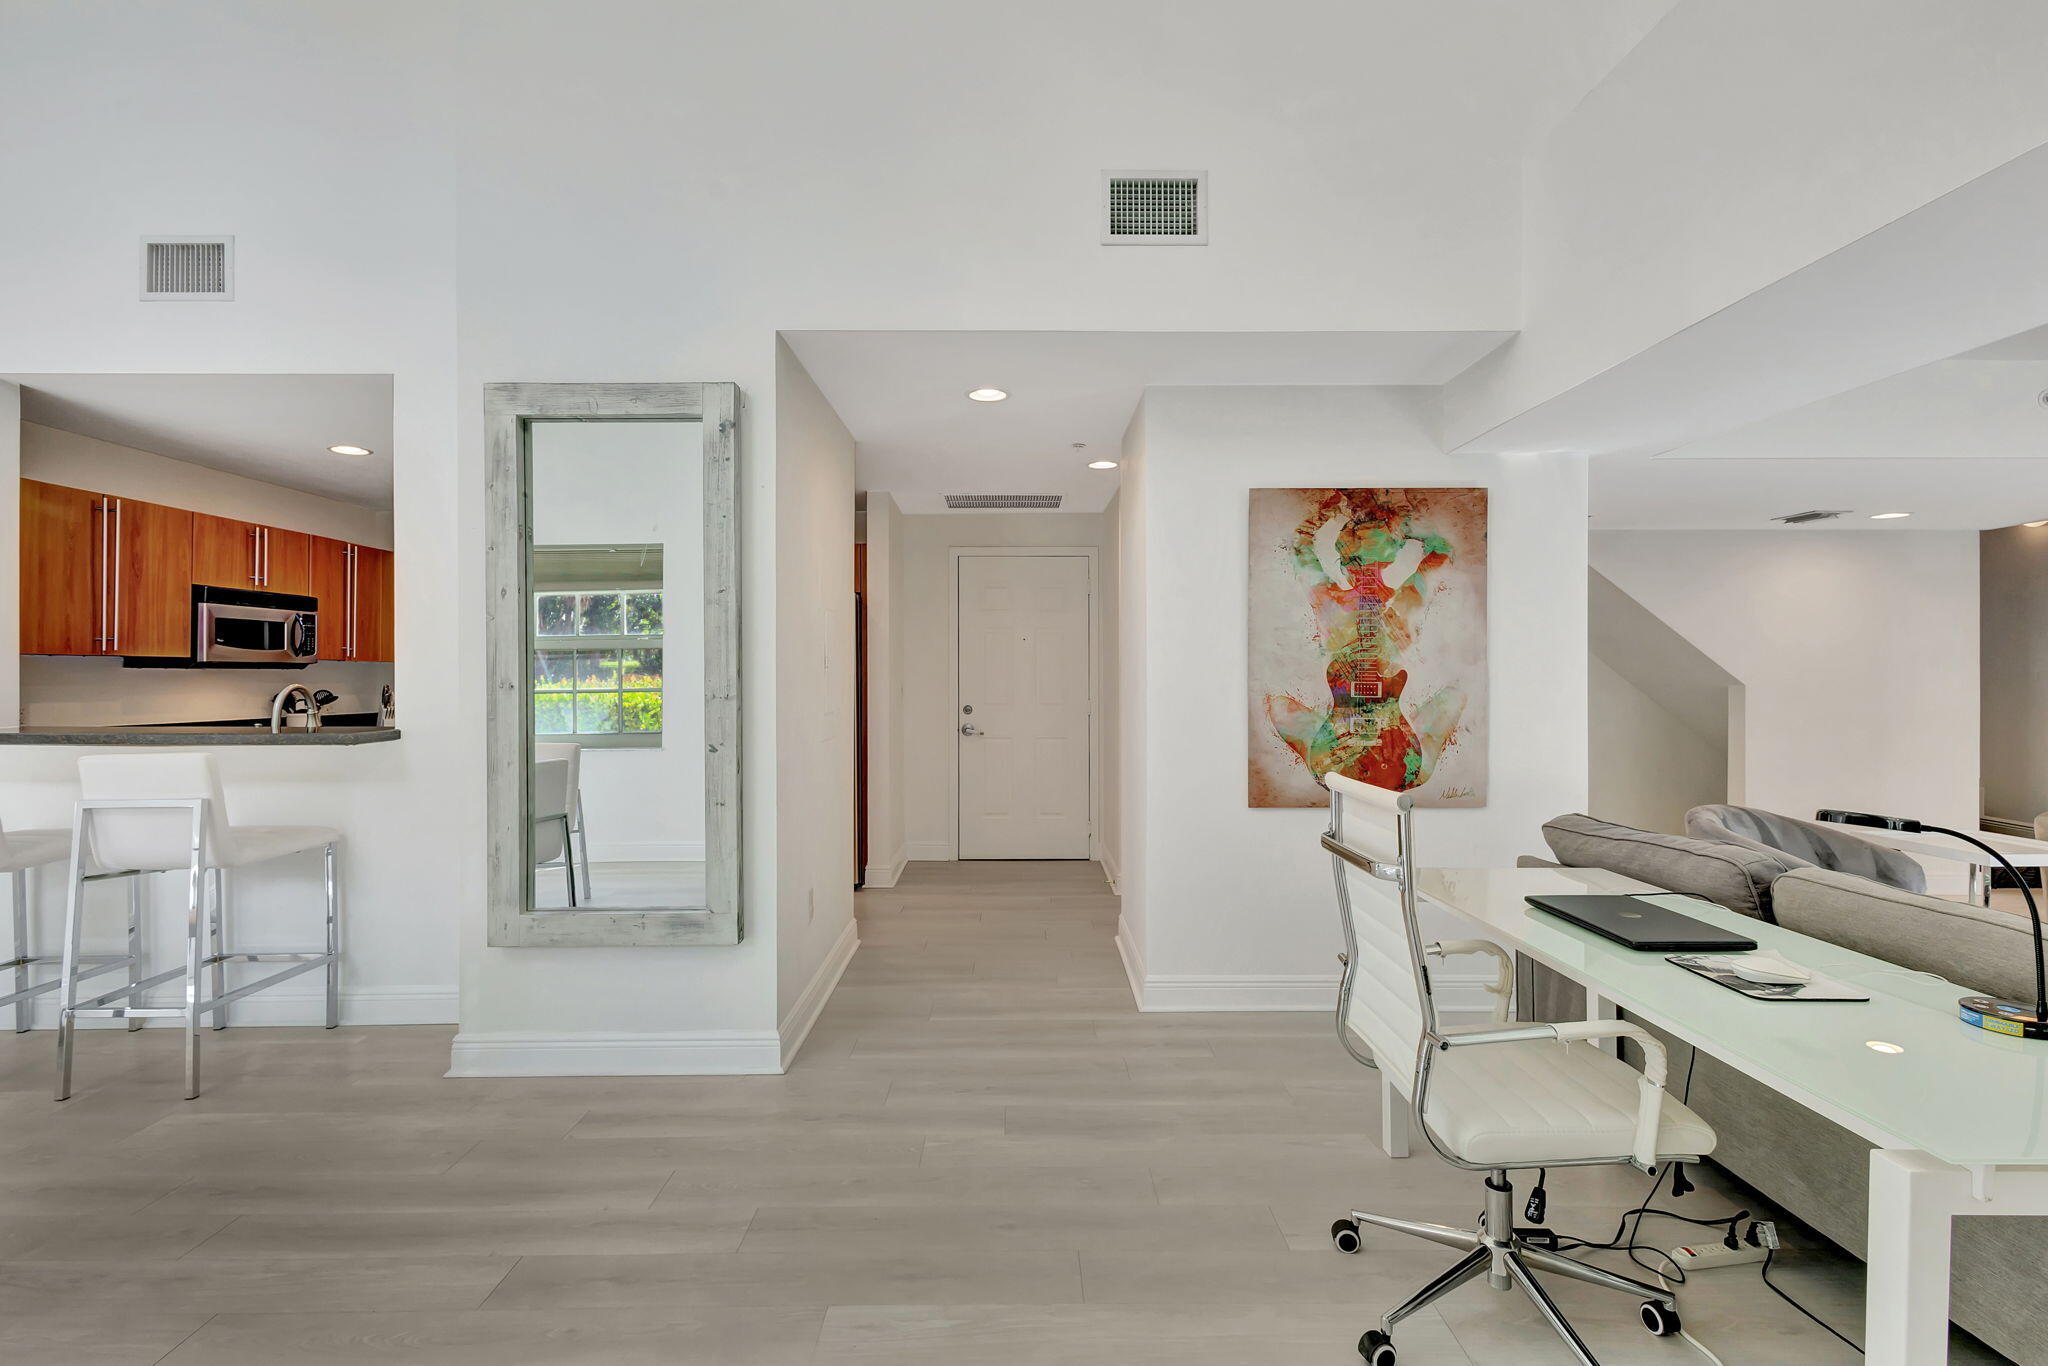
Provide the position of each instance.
(333, 941)
(67, 990)
(135, 912)
(23, 1017)
(217, 939)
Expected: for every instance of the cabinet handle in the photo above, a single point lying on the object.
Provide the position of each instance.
(117, 576)
(99, 616)
(255, 556)
(264, 533)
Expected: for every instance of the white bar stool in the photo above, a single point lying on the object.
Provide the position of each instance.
(572, 755)
(21, 851)
(157, 813)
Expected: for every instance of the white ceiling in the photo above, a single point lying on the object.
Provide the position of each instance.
(276, 428)
(903, 395)
(1961, 445)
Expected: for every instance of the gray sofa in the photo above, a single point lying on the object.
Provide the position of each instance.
(1809, 1165)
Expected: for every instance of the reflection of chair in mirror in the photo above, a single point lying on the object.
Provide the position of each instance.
(550, 796)
(572, 754)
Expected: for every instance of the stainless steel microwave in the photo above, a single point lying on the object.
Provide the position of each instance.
(233, 626)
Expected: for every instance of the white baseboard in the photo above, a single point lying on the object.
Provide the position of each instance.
(1112, 872)
(796, 1025)
(1460, 998)
(652, 851)
(929, 851)
(708, 1053)
(288, 1006)
(880, 875)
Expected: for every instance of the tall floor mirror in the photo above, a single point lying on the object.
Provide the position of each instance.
(614, 661)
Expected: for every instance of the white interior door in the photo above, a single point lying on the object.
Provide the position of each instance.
(1025, 706)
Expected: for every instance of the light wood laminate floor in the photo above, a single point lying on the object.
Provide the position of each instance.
(983, 1155)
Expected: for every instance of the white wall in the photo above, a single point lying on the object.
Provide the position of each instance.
(2015, 671)
(1231, 907)
(814, 697)
(304, 112)
(1109, 569)
(1740, 142)
(927, 721)
(1647, 767)
(1858, 655)
(884, 534)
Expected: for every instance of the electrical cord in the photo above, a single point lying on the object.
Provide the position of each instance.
(1775, 1290)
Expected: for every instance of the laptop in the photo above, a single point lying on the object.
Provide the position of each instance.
(1641, 924)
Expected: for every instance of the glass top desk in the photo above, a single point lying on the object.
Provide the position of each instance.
(1959, 1116)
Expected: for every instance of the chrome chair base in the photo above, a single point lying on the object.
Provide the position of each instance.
(1509, 1261)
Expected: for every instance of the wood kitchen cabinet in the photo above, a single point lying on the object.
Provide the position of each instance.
(227, 553)
(354, 586)
(60, 612)
(151, 567)
(103, 575)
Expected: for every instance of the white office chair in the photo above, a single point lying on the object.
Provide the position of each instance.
(571, 754)
(21, 851)
(152, 813)
(552, 799)
(1491, 1098)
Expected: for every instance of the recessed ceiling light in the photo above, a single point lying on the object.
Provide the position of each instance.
(1102, 464)
(2034, 523)
(988, 395)
(1880, 1046)
(351, 450)
(1887, 516)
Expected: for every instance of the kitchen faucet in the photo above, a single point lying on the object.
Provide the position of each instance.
(277, 707)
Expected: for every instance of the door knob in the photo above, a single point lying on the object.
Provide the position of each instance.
(969, 730)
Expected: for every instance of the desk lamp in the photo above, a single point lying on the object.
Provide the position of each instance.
(2001, 1017)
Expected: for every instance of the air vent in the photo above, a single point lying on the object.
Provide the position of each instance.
(1003, 500)
(1817, 515)
(188, 268)
(1155, 206)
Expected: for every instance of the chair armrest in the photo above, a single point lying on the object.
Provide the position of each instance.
(1503, 987)
(1649, 1087)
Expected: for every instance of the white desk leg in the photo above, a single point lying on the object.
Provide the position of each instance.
(1905, 1313)
(1599, 1007)
(1914, 1200)
(1394, 1118)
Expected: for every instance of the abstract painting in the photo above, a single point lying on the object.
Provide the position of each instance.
(1368, 643)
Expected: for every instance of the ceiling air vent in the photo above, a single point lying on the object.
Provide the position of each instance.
(963, 501)
(1155, 206)
(1816, 515)
(188, 268)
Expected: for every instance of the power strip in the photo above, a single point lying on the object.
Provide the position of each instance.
(1707, 1256)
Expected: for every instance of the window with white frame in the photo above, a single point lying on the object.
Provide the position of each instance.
(597, 657)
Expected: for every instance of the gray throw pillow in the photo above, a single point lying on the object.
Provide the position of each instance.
(1725, 874)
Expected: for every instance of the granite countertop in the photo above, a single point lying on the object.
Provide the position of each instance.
(196, 733)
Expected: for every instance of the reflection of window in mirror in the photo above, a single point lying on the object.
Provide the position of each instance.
(598, 644)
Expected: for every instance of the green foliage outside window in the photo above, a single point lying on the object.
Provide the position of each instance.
(597, 663)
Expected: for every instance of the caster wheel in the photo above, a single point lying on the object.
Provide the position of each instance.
(1661, 1322)
(1344, 1234)
(1376, 1349)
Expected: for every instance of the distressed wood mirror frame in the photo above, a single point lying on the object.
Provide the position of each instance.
(510, 411)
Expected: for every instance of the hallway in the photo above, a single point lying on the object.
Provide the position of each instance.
(983, 1155)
